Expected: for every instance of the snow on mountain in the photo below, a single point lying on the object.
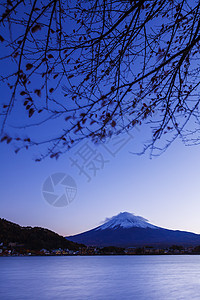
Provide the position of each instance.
(126, 220)
(127, 230)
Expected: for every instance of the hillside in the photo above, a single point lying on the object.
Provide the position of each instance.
(34, 238)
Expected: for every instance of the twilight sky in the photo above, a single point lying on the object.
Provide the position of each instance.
(164, 189)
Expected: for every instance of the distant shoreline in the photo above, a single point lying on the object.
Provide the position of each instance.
(88, 255)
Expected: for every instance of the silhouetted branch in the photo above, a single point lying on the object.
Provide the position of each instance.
(92, 69)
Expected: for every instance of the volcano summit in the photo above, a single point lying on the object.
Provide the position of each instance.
(128, 230)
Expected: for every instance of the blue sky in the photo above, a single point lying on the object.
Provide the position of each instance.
(164, 189)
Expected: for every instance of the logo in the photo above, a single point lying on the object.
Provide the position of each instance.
(59, 189)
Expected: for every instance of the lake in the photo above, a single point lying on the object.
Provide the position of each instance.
(100, 277)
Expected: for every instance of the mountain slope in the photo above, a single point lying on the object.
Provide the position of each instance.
(34, 238)
(128, 230)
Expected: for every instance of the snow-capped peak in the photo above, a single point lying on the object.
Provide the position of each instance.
(126, 220)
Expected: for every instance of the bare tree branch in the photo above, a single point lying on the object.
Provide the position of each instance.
(93, 69)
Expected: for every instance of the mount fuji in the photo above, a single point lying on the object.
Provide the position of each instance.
(128, 230)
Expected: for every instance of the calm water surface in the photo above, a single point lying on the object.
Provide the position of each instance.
(100, 277)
